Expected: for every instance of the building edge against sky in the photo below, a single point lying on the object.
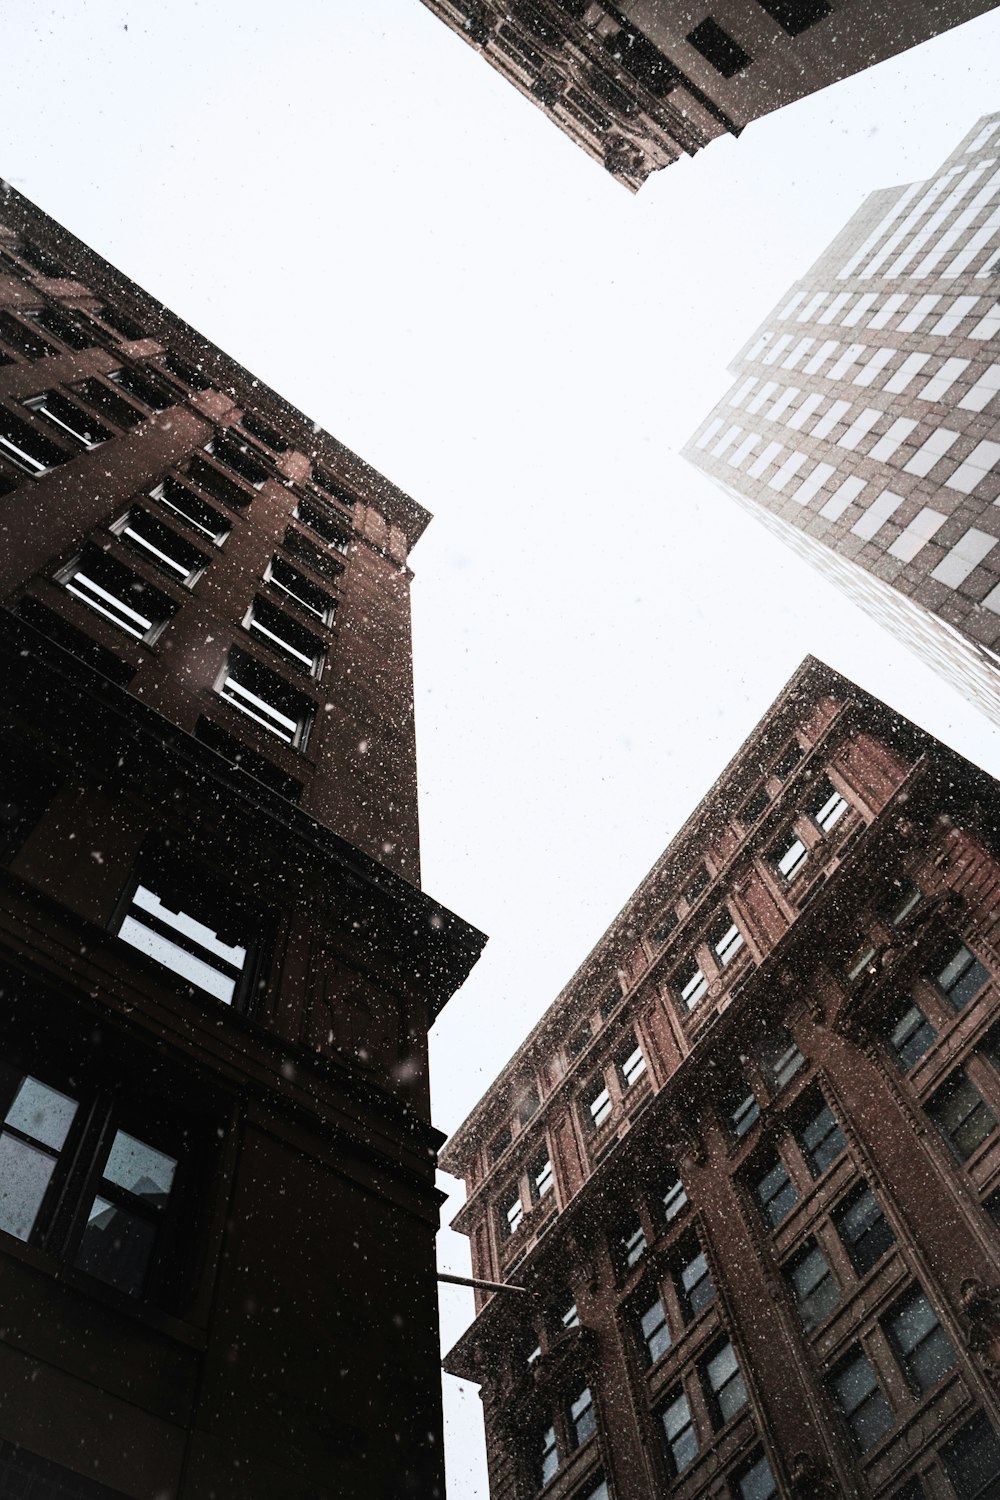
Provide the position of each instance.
(640, 83)
(747, 1166)
(862, 427)
(217, 969)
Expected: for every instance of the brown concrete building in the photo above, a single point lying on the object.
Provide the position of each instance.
(747, 1166)
(643, 82)
(217, 971)
(861, 427)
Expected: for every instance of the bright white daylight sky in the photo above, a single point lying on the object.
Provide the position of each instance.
(347, 199)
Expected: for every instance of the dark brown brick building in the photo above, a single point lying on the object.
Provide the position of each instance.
(747, 1167)
(217, 971)
(640, 83)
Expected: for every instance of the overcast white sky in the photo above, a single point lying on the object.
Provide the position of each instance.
(347, 199)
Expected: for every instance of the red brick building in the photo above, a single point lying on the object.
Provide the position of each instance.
(640, 83)
(217, 971)
(745, 1172)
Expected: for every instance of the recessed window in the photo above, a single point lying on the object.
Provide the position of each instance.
(904, 898)
(142, 387)
(192, 509)
(611, 1002)
(962, 1115)
(756, 1481)
(110, 589)
(725, 1389)
(780, 1059)
(69, 418)
(631, 1065)
(115, 408)
(498, 1145)
(630, 1245)
(859, 962)
(563, 1315)
(820, 1138)
(921, 1345)
(814, 1289)
(124, 1220)
(329, 485)
(511, 1212)
(863, 1228)
(292, 640)
(210, 479)
(654, 1330)
(40, 260)
(266, 698)
(579, 1041)
(598, 1103)
(972, 1460)
(740, 1109)
(582, 1417)
(173, 553)
(323, 525)
(672, 1195)
(248, 760)
(693, 1279)
(665, 925)
(827, 805)
(238, 457)
(183, 925)
(754, 807)
(775, 1192)
(303, 551)
(121, 323)
(548, 1455)
(27, 449)
(864, 1408)
(526, 1104)
(295, 586)
(541, 1177)
(188, 374)
(679, 1431)
(910, 1035)
(795, 16)
(790, 857)
(57, 322)
(787, 760)
(36, 1126)
(961, 975)
(693, 986)
(700, 881)
(265, 434)
(718, 48)
(726, 940)
(23, 339)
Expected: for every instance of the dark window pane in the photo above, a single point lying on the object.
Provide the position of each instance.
(655, 1332)
(795, 16)
(757, 1482)
(815, 1291)
(863, 1228)
(117, 1246)
(775, 1193)
(718, 48)
(682, 1440)
(582, 1418)
(972, 1460)
(962, 1115)
(961, 976)
(724, 1385)
(921, 1345)
(695, 1288)
(821, 1140)
(857, 1393)
(910, 1035)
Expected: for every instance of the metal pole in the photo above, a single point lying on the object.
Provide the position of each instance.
(486, 1286)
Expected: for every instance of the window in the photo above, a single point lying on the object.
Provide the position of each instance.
(756, 1481)
(21, 339)
(212, 480)
(541, 1178)
(992, 1206)
(526, 1104)
(110, 404)
(718, 48)
(724, 1386)
(679, 1431)
(263, 433)
(780, 1059)
(511, 1212)
(176, 556)
(655, 1330)
(578, 1042)
(598, 1103)
(190, 375)
(972, 1460)
(790, 856)
(303, 551)
(820, 1138)
(27, 449)
(861, 1402)
(500, 1142)
(631, 1065)
(247, 759)
(667, 923)
(239, 457)
(57, 322)
(961, 977)
(69, 418)
(909, 1036)
(962, 1115)
(693, 988)
(601, 1492)
(548, 1455)
(582, 1417)
(142, 387)
(672, 1196)
(562, 1315)
(286, 635)
(921, 1345)
(693, 1280)
(814, 1289)
(611, 1002)
(726, 940)
(630, 1246)
(300, 590)
(324, 482)
(74, 1180)
(266, 698)
(700, 881)
(775, 1192)
(740, 1109)
(757, 803)
(121, 596)
(121, 323)
(192, 509)
(827, 806)
(202, 934)
(324, 526)
(906, 896)
(863, 1228)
